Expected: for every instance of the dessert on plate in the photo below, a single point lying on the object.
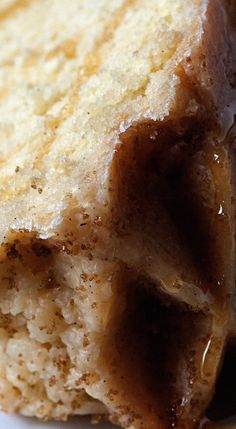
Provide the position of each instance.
(117, 207)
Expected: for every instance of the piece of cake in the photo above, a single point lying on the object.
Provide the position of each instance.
(117, 207)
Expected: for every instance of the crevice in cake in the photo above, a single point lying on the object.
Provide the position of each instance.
(151, 358)
(173, 194)
(173, 217)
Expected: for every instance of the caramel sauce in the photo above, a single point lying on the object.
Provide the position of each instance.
(185, 177)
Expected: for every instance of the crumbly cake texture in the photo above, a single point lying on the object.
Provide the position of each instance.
(115, 128)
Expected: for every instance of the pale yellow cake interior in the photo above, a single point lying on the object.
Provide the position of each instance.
(99, 103)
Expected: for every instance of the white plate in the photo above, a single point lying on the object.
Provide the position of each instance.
(16, 422)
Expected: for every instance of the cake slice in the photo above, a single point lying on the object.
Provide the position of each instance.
(117, 264)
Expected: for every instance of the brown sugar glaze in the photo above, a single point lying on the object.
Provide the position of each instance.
(180, 176)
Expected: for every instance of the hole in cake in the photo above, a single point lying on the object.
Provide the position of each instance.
(153, 357)
(174, 193)
(174, 222)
